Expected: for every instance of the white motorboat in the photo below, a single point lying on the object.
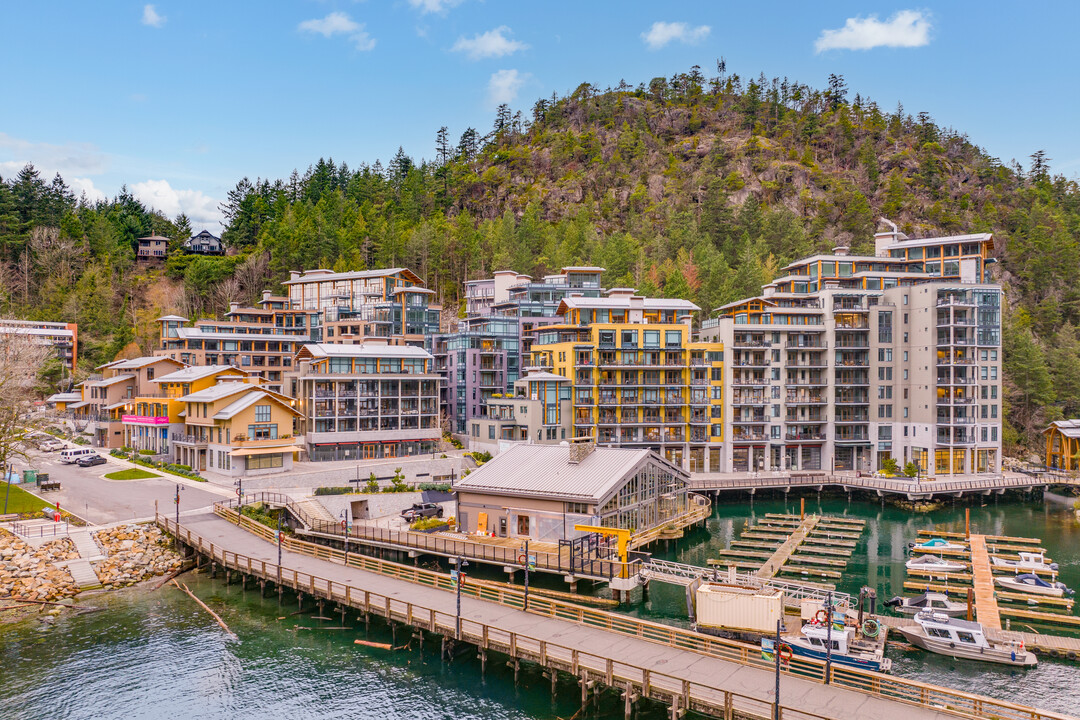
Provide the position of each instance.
(1029, 583)
(935, 545)
(935, 602)
(934, 563)
(1029, 561)
(941, 634)
(848, 646)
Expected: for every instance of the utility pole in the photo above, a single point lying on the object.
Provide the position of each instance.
(281, 514)
(776, 654)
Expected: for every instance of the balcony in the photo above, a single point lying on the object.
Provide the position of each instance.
(749, 420)
(745, 437)
(749, 399)
(820, 363)
(805, 400)
(808, 419)
(750, 342)
(804, 437)
(749, 382)
(192, 440)
(796, 345)
(807, 382)
(849, 380)
(853, 362)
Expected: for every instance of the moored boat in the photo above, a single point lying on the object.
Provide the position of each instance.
(936, 602)
(937, 564)
(849, 647)
(938, 633)
(935, 544)
(1027, 561)
(1028, 583)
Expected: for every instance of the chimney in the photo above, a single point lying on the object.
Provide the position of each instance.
(266, 295)
(841, 251)
(234, 306)
(581, 448)
(294, 274)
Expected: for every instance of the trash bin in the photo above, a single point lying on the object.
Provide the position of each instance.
(29, 476)
(41, 478)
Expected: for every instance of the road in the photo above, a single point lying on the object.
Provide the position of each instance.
(85, 492)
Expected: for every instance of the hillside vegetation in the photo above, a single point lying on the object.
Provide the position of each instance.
(683, 187)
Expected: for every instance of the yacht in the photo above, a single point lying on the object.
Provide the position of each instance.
(1029, 583)
(849, 647)
(943, 635)
(934, 545)
(937, 602)
(1029, 561)
(934, 563)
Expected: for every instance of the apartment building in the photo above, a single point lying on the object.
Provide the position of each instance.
(236, 427)
(351, 306)
(103, 401)
(538, 410)
(847, 360)
(64, 337)
(262, 340)
(486, 354)
(366, 400)
(638, 379)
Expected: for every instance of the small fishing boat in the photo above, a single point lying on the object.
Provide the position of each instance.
(936, 602)
(934, 563)
(938, 633)
(1028, 561)
(849, 647)
(1029, 583)
(935, 544)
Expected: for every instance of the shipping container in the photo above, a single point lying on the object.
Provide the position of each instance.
(734, 607)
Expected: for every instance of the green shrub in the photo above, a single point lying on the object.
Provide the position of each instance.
(442, 487)
(429, 523)
(911, 470)
(147, 451)
(334, 491)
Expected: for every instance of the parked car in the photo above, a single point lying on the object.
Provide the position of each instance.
(51, 445)
(422, 510)
(90, 460)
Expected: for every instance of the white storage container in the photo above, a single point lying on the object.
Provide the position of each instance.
(734, 607)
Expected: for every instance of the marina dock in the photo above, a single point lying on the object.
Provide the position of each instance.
(986, 607)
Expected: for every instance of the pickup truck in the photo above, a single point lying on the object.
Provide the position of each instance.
(422, 510)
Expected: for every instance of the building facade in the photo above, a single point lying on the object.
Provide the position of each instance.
(537, 411)
(1063, 445)
(153, 247)
(204, 244)
(638, 378)
(262, 340)
(366, 400)
(848, 360)
(64, 337)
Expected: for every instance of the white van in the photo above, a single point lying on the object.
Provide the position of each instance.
(73, 454)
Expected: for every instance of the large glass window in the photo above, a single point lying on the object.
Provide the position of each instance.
(262, 413)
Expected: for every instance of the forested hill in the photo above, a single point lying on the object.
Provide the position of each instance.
(684, 187)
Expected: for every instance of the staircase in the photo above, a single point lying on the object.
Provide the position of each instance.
(314, 510)
(81, 570)
(86, 545)
(83, 574)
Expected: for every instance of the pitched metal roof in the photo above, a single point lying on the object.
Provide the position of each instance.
(1068, 428)
(247, 401)
(197, 372)
(327, 276)
(377, 350)
(622, 302)
(529, 470)
(110, 381)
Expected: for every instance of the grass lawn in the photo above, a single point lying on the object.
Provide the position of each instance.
(131, 474)
(19, 501)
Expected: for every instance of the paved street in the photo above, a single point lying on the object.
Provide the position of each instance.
(89, 495)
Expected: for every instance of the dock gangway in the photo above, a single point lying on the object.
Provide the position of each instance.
(682, 574)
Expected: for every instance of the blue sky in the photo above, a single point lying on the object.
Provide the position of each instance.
(181, 99)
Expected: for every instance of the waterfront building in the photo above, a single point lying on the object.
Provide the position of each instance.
(237, 427)
(847, 360)
(537, 411)
(638, 378)
(152, 247)
(262, 340)
(351, 306)
(366, 400)
(487, 352)
(204, 244)
(539, 492)
(63, 336)
(1063, 445)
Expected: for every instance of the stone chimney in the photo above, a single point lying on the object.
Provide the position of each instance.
(234, 306)
(581, 448)
(841, 251)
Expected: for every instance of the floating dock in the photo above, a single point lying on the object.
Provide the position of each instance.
(986, 607)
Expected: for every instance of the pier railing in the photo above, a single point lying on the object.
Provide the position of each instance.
(864, 482)
(695, 695)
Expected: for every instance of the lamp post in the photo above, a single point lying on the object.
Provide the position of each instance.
(239, 498)
(528, 566)
(281, 515)
(345, 526)
(828, 637)
(459, 579)
(176, 500)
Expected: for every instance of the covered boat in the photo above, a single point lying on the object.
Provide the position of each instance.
(934, 563)
(1027, 561)
(936, 602)
(935, 544)
(941, 634)
(1029, 583)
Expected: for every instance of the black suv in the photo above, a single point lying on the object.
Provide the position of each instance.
(422, 510)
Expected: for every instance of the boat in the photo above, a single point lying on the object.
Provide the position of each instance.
(1029, 583)
(849, 647)
(935, 544)
(938, 602)
(934, 563)
(1028, 561)
(938, 633)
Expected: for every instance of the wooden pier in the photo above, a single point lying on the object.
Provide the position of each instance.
(774, 563)
(599, 650)
(986, 607)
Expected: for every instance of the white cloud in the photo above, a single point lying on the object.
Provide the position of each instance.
(434, 6)
(73, 158)
(662, 33)
(200, 208)
(907, 28)
(339, 23)
(493, 43)
(150, 17)
(504, 85)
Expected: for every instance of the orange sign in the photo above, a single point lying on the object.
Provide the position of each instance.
(481, 523)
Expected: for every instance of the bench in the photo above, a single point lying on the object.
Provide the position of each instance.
(9, 516)
(49, 485)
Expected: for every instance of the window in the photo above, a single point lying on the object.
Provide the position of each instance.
(993, 411)
(965, 637)
(993, 372)
(884, 411)
(523, 525)
(905, 374)
(491, 432)
(262, 432)
(982, 372)
(905, 356)
(261, 462)
(262, 413)
(884, 354)
(884, 373)
(993, 392)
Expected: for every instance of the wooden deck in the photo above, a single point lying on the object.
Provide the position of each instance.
(986, 607)
(780, 557)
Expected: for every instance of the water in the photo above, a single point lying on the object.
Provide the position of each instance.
(878, 561)
(157, 655)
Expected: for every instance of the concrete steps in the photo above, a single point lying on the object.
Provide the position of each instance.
(315, 509)
(83, 574)
(86, 545)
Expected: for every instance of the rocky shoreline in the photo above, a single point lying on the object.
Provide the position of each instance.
(135, 553)
(32, 573)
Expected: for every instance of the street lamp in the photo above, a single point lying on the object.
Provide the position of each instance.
(176, 500)
(239, 498)
(458, 576)
(346, 526)
(828, 637)
(280, 517)
(527, 561)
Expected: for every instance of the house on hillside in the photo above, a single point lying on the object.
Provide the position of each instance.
(153, 247)
(204, 244)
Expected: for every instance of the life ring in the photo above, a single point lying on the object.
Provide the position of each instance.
(871, 627)
(522, 559)
(785, 649)
(821, 616)
(1054, 652)
(1071, 655)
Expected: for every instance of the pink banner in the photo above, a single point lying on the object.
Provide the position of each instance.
(145, 419)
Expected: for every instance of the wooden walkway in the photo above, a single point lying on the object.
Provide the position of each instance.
(638, 658)
(986, 607)
(774, 563)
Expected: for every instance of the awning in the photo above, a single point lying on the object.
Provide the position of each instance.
(116, 406)
(265, 450)
(74, 406)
